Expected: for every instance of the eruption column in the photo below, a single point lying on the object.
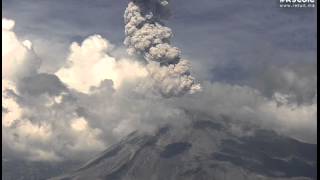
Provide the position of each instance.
(147, 36)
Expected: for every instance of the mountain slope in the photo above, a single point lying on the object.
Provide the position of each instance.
(14, 169)
(203, 150)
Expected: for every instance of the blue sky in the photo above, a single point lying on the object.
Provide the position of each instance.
(234, 33)
(238, 42)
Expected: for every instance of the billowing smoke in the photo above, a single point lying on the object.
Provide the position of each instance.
(89, 103)
(96, 97)
(146, 36)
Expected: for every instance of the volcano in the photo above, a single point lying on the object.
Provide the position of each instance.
(204, 149)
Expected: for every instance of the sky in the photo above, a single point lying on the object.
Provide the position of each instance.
(254, 61)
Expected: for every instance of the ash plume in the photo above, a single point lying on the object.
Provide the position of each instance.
(148, 37)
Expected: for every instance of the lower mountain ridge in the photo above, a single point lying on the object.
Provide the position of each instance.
(205, 149)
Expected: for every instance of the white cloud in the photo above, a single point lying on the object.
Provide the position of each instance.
(18, 58)
(7, 24)
(31, 130)
(248, 105)
(67, 124)
(12, 108)
(89, 64)
(85, 138)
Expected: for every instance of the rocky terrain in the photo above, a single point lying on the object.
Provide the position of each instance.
(205, 149)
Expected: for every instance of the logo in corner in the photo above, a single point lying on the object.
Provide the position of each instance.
(297, 3)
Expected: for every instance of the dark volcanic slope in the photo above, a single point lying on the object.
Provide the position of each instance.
(13, 169)
(203, 150)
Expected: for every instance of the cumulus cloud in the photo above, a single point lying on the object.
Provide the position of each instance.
(18, 130)
(28, 125)
(249, 106)
(12, 109)
(92, 58)
(44, 128)
(89, 63)
(97, 98)
(297, 81)
(19, 59)
(91, 102)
